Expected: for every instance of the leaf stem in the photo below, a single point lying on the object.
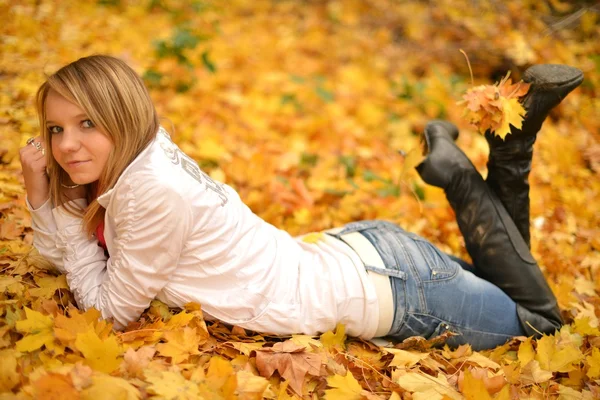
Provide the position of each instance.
(469, 64)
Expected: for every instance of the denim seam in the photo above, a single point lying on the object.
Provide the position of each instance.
(459, 325)
(411, 264)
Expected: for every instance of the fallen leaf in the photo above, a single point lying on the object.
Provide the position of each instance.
(335, 340)
(38, 328)
(106, 387)
(291, 361)
(100, 355)
(181, 344)
(343, 388)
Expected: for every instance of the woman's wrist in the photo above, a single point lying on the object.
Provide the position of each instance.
(36, 201)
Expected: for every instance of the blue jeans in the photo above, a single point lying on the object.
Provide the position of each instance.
(432, 293)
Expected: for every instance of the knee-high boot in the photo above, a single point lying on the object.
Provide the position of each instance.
(497, 248)
(509, 162)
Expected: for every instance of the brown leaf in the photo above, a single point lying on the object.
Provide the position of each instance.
(292, 361)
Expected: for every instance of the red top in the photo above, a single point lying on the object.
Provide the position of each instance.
(100, 235)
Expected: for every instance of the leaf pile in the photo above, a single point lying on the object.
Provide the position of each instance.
(312, 111)
(496, 107)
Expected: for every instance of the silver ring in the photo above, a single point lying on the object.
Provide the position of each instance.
(38, 146)
(30, 140)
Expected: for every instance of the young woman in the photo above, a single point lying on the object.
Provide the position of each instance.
(128, 217)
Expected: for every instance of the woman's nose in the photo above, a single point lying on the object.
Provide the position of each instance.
(69, 140)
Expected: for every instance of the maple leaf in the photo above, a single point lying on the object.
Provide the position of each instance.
(555, 357)
(100, 355)
(427, 386)
(335, 340)
(593, 361)
(134, 361)
(220, 381)
(39, 329)
(343, 388)
(171, 385)
(533, 373)
(6, 281)
(582, 326)
(246, 348)
(496, 107)
(180, 344)
(474, 389)
(106, 387)
(413, 158)
(48, 286)
(526, 352)
(8, 370)
(291, 361)
(250, 386)
(66, 328)
(179, 320)
(54, 386)
(512, 114)
(403, 358)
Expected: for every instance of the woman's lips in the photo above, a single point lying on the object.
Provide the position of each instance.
(76, 164)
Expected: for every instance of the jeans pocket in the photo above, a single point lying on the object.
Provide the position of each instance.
(440, 266)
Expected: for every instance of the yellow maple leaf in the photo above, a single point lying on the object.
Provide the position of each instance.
(496, 107)
(413, 158)
(106, 387)
(307, 341)
(405, 358)
(512, 114)
(343, 388)
(48, 286)
(8, 370)
(181, 344)
(556, 357)
(171, 385)
(583, 327)
(135, 361)
(100, 355)
(337, 340)
(593, 361)
(474, 389)
(427, 386)
(220, 378)
(39, 329)
(179, 320)
(250, 386)
(526, 352)
(66, 328)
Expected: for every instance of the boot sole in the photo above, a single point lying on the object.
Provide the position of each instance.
(553, 76)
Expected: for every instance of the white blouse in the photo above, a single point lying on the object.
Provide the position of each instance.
(175, 234)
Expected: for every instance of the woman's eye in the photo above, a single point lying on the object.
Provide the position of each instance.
(87, 123)
(54, 129)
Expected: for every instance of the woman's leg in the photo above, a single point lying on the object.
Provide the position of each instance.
(509, 163)
(497, 248)
(433, 294)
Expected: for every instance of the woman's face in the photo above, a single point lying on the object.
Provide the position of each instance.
(79, 147)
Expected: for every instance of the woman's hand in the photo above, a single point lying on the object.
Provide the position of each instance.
(33, 162)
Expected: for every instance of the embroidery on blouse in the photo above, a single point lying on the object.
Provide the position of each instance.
(177, 157)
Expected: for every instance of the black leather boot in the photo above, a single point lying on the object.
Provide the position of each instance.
(509, 163)
(498, 250)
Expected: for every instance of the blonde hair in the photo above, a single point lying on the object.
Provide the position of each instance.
(117, 102)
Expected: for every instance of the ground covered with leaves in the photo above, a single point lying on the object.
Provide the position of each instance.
(310, 110)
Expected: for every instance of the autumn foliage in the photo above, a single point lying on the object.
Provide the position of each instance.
(312, 111)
